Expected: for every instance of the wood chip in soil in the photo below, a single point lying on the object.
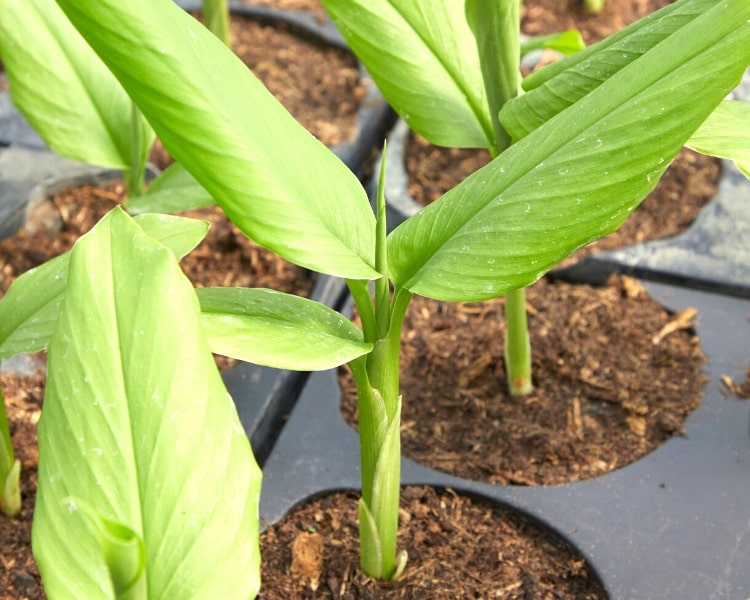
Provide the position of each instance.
(615, 376)
(458, 548)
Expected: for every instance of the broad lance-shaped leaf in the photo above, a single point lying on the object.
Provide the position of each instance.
(726, 134)
(137, 423)
(62, 88)
(275, 181)
(422, 55)
(561, 84)
(29, 309)
(578, 176)
(278, 330)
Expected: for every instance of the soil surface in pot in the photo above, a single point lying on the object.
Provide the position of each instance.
(614, 373)
(458, 548)
(225, 257)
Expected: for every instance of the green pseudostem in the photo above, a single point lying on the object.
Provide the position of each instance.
(377, 380)
(496, 27)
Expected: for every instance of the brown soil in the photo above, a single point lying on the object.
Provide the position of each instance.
(614, 373)
(313, 6)
(225, 257)
(458, 548)
(540, 17)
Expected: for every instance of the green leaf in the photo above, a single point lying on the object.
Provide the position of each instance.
(558, 86)
(566, 42)
(137, 422)
(726, 134)
(175, 190)
(577, 177)
(62, 88)
(29, 309)
(278, 330)
(422, 56)
(275, 181)
(495, 26)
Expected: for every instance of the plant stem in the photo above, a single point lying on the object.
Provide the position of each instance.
(216, 17)
(496, 27)
(517, 344)
(135, 176)
(10, 469)
(379, 402)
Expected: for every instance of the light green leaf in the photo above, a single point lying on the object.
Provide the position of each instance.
(137, 422)
(578, 176)
(274, 180)
(726, 134)
(175, 190)
(29, 309)
(558, 86)
(422, 56)
(62, 88)
(278, 330)
(566, 42)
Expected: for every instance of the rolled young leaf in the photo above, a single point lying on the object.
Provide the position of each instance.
(578, 176)
(63, 89)
(422, 55)
(137, 422)
(278, 330)
(29, 309)
(274, 180)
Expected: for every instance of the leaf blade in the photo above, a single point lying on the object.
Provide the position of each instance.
(423, 58)
(138, 422)
(274, 180)
(578, 176)
(62, 88)
(278, 330)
